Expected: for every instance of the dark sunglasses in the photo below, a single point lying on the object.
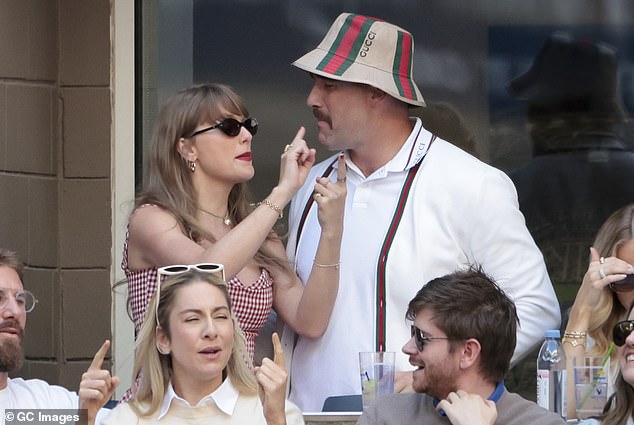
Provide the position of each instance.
(621, 331)
(624, 285)
(231, 127)
(421, 339)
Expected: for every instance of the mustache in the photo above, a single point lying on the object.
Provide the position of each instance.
(317, 113)
(14, 325)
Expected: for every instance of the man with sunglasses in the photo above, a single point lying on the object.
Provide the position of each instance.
(417, 206)
(463, 336)
(18, 393)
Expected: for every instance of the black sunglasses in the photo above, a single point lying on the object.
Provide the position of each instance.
(621, 331)
(231, 127)
(421, 339)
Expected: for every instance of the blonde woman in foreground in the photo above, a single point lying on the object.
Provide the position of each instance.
(191, 353)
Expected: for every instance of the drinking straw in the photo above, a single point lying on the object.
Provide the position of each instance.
(595, 379)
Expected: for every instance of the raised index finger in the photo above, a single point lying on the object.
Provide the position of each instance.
(278, 352)
(341, 168)
(300, 134)
(97, 361)
(594, 254)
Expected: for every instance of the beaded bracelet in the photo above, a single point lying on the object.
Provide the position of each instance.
(272, 206)
(325, 266)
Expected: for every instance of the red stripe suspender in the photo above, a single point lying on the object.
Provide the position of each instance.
(381, 268)
(382, 263)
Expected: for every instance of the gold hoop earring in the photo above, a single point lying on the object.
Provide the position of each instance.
(192, 165)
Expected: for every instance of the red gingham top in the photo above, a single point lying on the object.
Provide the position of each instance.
(252, 304)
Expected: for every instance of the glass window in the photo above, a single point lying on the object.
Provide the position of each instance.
(563, 134)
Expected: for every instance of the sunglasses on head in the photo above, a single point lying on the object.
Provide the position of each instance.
(176, 269)
(231, 127)
(421, 339)
(621, 331)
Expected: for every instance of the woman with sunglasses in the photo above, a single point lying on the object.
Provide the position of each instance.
(192, 357)
(619, 410)
(605, 294)
(194, 208)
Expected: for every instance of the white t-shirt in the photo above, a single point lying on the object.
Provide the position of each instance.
(38, 394)
(35, 394)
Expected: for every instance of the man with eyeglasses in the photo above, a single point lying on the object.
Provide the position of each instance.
(463, 335)
(18, 393)
(417, 208)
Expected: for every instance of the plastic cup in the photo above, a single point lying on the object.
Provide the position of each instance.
(377, 375)
(591, 386)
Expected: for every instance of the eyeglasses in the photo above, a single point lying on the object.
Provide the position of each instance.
(231, 127)
(624, 285)
(25, 300)
(621, 331)
(421, 339)
(182, 268)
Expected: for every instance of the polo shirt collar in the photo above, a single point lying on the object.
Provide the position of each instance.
(225, 397)
(410, 154)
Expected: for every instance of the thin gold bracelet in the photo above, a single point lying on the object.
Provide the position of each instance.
(326, 266)
(272, 206)
(573, 341)
(575, 334)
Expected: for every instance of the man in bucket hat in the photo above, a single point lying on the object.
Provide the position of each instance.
(417, 208)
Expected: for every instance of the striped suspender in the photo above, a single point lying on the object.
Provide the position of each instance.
(382, 263)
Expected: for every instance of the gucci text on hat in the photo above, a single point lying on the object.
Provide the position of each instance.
(360, 49)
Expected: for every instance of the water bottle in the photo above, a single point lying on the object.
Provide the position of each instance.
(551, 374)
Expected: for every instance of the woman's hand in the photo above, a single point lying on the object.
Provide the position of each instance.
(297, 160)
(97, 386)
(463, 408)
(601, 272)
(331, 199)
(272, 377)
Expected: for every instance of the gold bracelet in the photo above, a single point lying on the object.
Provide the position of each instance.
(325, 266)
(575, 334)
(573, 341)
(272, 206)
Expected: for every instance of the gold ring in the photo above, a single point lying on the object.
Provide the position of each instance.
(287, 147)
